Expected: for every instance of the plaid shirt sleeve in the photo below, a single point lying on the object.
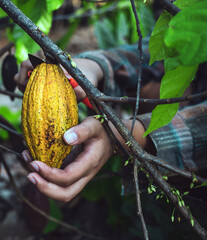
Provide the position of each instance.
(183, 141)
(121, 66)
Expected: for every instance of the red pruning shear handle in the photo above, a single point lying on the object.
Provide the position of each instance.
(74, 84)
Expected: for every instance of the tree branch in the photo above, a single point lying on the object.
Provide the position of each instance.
(11, 94)
(169, 6)
(153, 101)
(140, 63)
(21, 196)
(138, 200)
(49, 47)
(11, 130)
(6, 48)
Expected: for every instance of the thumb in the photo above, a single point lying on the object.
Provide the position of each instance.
(90, 127)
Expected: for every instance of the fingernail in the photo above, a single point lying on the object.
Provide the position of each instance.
(32, 180)
(25, 157)
(35, 166)
(70, 137)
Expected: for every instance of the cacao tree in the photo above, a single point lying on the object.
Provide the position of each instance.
(177, 39)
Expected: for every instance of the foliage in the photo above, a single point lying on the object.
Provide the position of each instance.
(40, 12)
(120, 28)
(12, 117)
(180, 42)
(181, 46)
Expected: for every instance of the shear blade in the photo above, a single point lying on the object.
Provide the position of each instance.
(35, 60)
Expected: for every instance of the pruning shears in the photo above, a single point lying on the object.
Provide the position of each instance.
(36, 61)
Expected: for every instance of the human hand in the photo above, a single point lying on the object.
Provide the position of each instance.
(65, 184)
(21, 78)
(90, 68)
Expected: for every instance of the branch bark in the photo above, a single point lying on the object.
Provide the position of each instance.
(49, 47)
(169, 6)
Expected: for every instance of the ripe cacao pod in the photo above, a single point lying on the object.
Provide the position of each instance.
(49, 108)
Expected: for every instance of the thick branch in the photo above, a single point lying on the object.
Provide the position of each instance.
(48, 46)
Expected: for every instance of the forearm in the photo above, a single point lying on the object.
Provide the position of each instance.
(138, 132)
(91, 69)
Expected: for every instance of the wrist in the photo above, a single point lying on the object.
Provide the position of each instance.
(91, 69)
(138, 131)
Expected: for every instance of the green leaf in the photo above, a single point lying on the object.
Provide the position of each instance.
(21, 51)
(104, 31)
(171, 63)
(53, 4)
(23, 42)
(62, 43)
(54, 212)
(122, 28)
(133, 29)
(187, 34)
(173, 84)
(146, 18)
(192, 221)
(204, 184)
(158, 50)
(2, 13)
(185, 3)
(161, 116)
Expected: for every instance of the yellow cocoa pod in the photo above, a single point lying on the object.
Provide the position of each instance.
(49, 108)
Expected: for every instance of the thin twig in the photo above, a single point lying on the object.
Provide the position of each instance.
(138, 198)
(20, 158)
(11, 130)
(114, 141)
(153, 101)
(138, 201)
(10, 150)
(126, 99)
(169, 6)
(140, 63)
(85, 14)
(22, 197)
(48, 46)
(144, 157)
(6, 48)
(8, 93)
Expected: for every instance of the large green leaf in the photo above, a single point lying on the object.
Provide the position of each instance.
(158, 50)
(53, 4)
(187, 34)
(41, 17)
(173, 84)
(185, 3)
